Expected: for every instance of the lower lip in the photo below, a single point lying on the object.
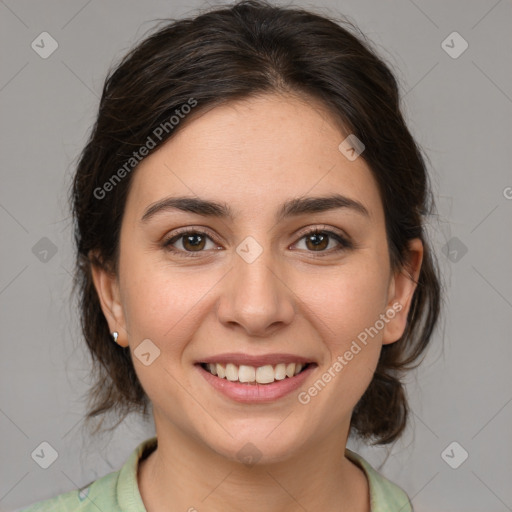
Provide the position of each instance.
(256, 393)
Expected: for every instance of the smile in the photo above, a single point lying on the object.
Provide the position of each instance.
(255, 379)
(246, 374)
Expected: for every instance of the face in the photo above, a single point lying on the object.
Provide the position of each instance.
(256, 281)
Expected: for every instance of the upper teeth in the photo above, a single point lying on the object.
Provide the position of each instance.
(262, 374)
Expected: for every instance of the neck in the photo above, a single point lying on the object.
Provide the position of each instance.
(192, 477)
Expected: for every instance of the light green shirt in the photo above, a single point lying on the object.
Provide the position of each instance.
(119, 492)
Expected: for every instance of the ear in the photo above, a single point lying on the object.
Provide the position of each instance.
(107, 288)
(401, 289)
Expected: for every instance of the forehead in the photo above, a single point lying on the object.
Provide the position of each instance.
(253, 153)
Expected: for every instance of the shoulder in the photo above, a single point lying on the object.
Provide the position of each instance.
(116, 492)
(385, 496)
(99, 494)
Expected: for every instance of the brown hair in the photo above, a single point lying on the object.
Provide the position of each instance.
(233, 53)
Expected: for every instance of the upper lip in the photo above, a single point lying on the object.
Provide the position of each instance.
(256, 361)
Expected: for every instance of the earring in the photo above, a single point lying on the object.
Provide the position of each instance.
(115, 335)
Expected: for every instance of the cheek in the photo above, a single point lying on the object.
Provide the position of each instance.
(163, 306)
(163, 303)
(347, 330)
(347, 308)
(347, 302)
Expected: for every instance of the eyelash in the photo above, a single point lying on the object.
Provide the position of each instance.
(167, 244)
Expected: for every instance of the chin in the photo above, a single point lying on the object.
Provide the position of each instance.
(258, 446)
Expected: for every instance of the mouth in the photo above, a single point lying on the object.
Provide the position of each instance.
(252, 375)
(256, 379)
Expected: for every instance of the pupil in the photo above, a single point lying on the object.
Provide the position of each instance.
(318, 239)
(190, 240)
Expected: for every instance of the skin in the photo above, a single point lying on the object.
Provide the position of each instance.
(254, 155)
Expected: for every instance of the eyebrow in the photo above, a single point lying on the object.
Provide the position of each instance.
(291, 208)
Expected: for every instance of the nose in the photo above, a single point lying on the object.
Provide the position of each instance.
(255, 298)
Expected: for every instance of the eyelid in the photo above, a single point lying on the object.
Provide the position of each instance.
(191, 229)
(322, 228)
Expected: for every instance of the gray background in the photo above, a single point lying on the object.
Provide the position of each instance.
(459, 109)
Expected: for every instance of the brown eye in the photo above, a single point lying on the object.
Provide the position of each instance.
(317, 241)
(194, 242)
(188, 242)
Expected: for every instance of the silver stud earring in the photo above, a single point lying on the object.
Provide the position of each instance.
(115, 335)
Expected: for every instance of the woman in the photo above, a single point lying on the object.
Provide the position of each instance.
(252, 265)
